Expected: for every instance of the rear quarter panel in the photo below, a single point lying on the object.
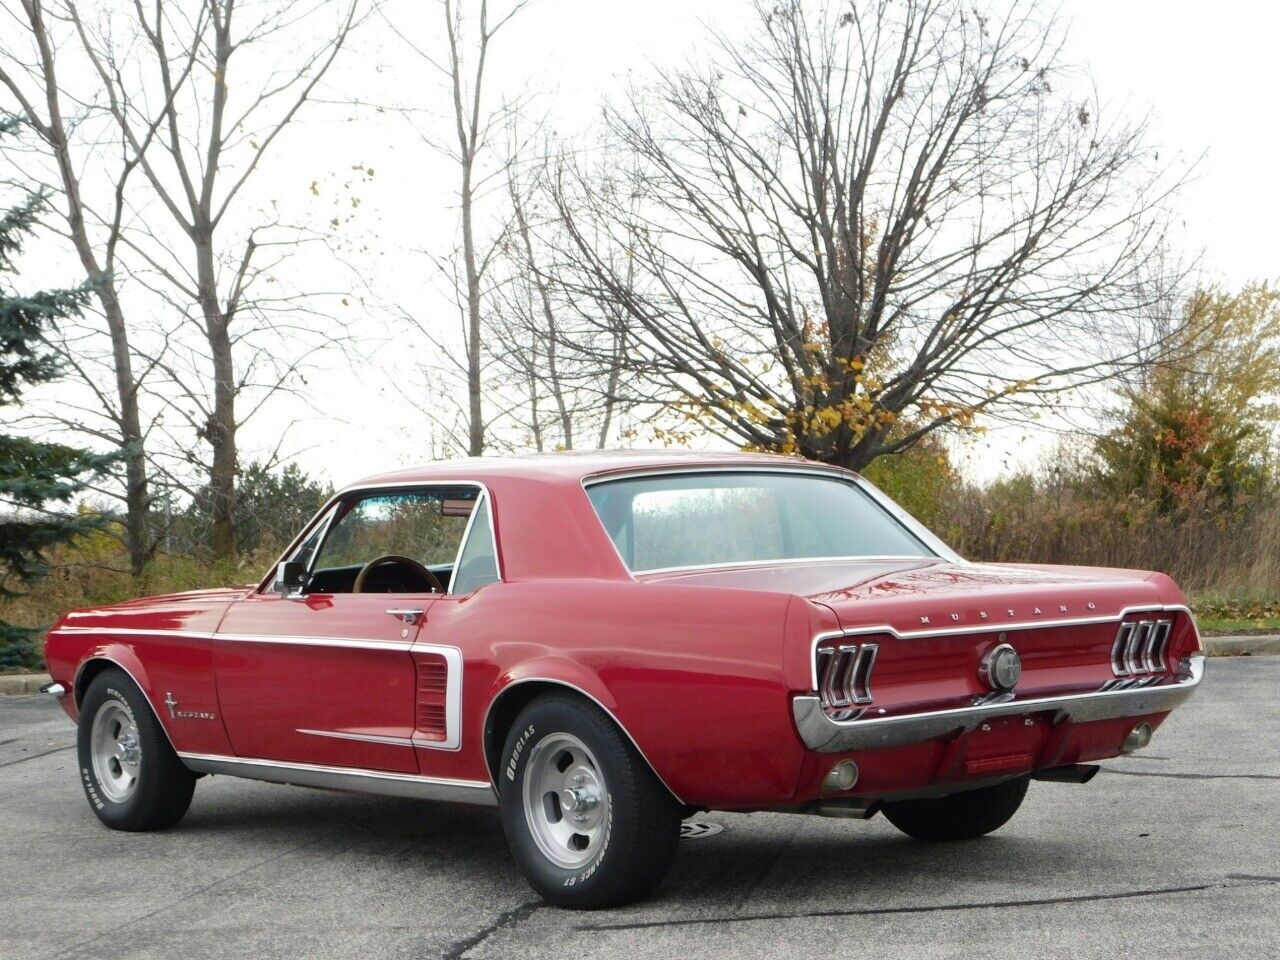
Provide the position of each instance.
(694, 675)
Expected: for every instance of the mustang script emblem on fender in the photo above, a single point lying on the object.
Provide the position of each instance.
(176, 714)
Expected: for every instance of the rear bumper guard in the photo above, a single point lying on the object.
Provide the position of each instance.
(821, 733)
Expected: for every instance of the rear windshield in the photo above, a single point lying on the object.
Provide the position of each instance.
(713, 519)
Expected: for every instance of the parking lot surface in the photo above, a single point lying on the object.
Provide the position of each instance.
(1174, 852)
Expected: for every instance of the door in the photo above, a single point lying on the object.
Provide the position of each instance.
(328, 676)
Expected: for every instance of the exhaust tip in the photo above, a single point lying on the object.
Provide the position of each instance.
(1136, 739)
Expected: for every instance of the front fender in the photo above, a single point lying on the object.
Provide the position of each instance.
(122, 656)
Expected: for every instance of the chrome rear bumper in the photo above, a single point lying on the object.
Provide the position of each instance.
(819, 732)
(55, 690)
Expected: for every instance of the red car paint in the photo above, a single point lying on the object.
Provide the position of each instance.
(698, 666)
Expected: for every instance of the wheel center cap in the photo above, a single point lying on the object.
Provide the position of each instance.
(576, 800)
(127, 750)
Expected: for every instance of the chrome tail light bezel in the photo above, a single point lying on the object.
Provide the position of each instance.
(1141, 648)
(844, 675)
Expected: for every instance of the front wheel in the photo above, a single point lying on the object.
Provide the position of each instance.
(587, 820)
(960, 816)
(131, 775)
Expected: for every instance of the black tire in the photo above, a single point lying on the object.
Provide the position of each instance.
(960, 816)
(160, 793)
(634, 845)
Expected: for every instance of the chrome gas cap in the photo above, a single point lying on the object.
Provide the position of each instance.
(1001, 668)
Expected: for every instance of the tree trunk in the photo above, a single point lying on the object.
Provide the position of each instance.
(128, 419)
(136, 499)
(220, 431)
(475, 414)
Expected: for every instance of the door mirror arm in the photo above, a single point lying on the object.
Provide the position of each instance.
(291, 580)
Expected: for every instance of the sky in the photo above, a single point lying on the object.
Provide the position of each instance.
(1206, 76)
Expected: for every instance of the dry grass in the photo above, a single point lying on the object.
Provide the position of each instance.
(1228, 561)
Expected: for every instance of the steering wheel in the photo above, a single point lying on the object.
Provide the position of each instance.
(363, 575)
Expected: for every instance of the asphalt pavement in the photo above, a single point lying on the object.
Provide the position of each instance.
(1172, 853)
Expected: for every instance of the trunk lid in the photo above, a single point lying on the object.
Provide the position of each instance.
(918, 634)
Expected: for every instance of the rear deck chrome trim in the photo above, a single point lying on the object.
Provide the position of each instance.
(820, 732)
(412, 786)
(993, 626)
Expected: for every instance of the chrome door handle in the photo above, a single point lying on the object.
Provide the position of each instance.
(410, 616)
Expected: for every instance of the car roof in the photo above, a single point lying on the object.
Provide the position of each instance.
(576, 465)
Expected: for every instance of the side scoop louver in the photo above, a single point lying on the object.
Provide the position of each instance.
(433, 676)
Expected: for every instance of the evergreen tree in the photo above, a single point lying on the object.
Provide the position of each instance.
(37, 479)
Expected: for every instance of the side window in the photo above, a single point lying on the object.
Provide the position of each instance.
(477, 564)
(412, 530)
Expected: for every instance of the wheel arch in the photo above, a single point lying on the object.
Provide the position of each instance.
(122, 658)
(518, 691)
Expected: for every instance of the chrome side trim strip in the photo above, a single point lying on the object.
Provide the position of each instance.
(993, 626)
(136, 632)
(346, 642)
(343, 778)
(819, 732)
(349, 643)
(361, 737)
(418, 742)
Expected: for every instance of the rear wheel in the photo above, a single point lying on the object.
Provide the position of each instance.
(588, 822)
(130, 773)
(960, 816)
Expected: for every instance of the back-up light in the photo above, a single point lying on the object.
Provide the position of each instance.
(844, 674)
(1141, 647)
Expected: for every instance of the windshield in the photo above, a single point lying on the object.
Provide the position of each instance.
(712, 519)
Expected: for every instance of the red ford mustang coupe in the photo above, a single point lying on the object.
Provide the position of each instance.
(602, 644)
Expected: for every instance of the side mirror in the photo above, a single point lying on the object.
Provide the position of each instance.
(291, 578)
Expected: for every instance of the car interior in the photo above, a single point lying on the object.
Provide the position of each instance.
(409, 541)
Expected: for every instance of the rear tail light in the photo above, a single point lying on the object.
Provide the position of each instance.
(844, 674)
(1140, 648)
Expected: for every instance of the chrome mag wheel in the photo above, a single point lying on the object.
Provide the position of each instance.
(115, 750)
(566, 801)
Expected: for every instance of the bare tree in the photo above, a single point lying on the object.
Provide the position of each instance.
(29, 72)
(182, 56)
(471, 28)
(562, 348)
(866, 223)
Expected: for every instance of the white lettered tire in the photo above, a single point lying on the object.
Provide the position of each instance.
(587, 821)
(130, 773)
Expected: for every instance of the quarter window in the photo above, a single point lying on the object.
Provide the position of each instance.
(477, 564)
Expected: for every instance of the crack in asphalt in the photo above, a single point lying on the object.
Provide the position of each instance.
(184, 898)
(1194, 776)
(770, 861)
(1239, 880)
(36, 756)
(508, 918)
